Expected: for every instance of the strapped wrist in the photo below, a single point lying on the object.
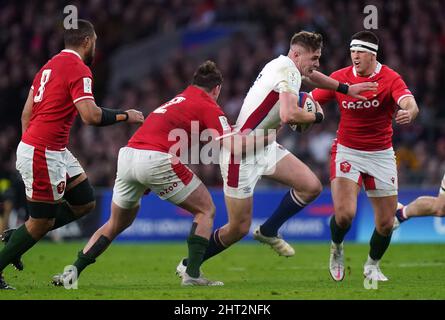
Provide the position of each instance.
(342, 88)
(111, 116)
(318, 117)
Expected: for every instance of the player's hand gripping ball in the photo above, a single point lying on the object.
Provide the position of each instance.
(306, 102)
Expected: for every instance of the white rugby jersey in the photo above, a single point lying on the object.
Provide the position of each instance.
(261, 107)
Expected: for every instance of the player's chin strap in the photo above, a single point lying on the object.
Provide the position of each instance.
(359, 45)
(111, 116)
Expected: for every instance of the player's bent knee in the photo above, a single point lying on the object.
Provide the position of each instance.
(43, 210)
(41, 223)
(210, 211)
(38, 227)
(440, 211)
(42, 217)
(343, 221)
(207, 209)
(344, 212)
(317, 189)
(385, 228)
(81, 195)
(311, 191)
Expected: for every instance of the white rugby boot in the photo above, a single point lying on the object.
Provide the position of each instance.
(189, 281)
(336, 262)
(64, 279)
(277, 243)
(371, 271)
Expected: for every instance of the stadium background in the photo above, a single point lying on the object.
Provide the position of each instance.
(146, 53)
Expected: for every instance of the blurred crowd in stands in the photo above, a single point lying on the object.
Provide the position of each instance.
(412, 41)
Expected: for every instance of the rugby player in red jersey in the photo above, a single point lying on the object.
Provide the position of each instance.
(362, 153)
(57, 188)
(151, 160)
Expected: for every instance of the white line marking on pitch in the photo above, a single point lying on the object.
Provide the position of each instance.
(237, 269)
(421, 264)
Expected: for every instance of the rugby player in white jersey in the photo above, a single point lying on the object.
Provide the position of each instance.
(270, 102)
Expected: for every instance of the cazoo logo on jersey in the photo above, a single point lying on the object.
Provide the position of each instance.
(360, 104)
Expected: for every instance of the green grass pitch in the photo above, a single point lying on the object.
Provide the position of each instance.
(250, 271)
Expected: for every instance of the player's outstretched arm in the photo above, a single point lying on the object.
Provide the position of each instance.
(408, 111)
(27, 111)
(91, 114)
(322, 81)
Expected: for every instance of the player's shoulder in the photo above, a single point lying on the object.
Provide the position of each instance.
(388, 72)
(280, 63)
(281, 67)
(81, 67)
(210, 105)
(72, 64)
(283, 60)
(196, 97)
(342, 73)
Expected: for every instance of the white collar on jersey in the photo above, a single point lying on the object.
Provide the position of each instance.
(72, 51)
(376, 71)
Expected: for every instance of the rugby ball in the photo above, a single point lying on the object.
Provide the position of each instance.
(306, 102)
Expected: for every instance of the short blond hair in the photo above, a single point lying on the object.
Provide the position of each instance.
(308, 40)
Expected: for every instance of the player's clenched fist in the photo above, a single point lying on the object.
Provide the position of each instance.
(403, 117)
(135, 116)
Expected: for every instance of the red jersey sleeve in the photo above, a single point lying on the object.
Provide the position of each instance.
(214, 118)
(399, 90)
(323, 96)
(80, 83)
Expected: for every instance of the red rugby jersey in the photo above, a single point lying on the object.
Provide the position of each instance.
(193, 108)
(59, 84)
(366, 125)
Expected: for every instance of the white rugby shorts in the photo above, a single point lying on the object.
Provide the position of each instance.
(240, 177)
(376, 170)
(140, 170)
(44, 172)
